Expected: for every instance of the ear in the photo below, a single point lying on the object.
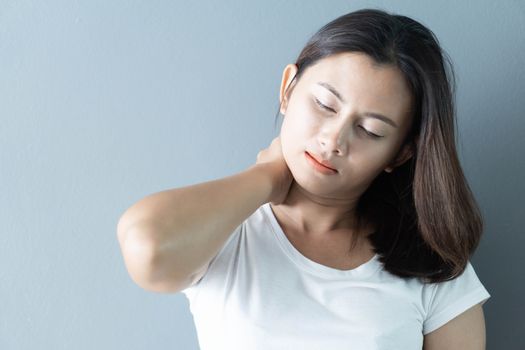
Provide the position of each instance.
(288, 74)
(406, 152)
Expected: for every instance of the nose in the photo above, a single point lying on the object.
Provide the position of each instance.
(334, 138)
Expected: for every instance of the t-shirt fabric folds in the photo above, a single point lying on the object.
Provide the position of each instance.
(260, 292)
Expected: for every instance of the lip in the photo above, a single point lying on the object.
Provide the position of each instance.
(320, 166)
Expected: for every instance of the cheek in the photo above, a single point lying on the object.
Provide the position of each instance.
(301, 117)
(296, 131)
(369, 159)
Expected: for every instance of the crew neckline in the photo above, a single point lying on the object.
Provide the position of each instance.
(364, 270)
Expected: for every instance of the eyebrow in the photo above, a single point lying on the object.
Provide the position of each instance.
(368, 114)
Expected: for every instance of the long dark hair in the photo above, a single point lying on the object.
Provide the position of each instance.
(428, 222)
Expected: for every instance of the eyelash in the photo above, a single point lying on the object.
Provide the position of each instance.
(331, 110)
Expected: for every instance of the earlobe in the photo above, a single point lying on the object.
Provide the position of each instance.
(406, 153)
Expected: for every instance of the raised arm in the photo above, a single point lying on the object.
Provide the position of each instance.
(168, 237)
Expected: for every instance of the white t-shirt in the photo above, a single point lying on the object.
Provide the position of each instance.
(260, 292)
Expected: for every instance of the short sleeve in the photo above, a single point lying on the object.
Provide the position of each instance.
(192, 291)
(450, 298)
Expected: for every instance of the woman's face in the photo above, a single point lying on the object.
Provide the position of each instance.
(343, 132)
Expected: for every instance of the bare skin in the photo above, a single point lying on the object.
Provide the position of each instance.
(317, 215)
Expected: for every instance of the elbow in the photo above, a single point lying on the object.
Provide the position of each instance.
(143, 263)
(138, 252)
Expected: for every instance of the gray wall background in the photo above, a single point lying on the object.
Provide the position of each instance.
(102, 102)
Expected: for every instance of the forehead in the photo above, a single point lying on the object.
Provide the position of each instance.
(362, 83)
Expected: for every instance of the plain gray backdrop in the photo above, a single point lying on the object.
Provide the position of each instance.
(104, 102)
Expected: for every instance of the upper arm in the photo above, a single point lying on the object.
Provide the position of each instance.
(197, 276)
(466, 332)
(138, 251)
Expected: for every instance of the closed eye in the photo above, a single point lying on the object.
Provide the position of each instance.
(331, 110)
(370, 133)
(323, 106)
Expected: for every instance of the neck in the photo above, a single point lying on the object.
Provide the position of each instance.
(315, 215)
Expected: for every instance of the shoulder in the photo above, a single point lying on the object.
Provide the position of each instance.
(446, 300)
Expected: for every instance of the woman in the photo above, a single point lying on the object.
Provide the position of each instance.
(353, 230)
